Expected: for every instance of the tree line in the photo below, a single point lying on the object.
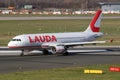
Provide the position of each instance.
(67, 4)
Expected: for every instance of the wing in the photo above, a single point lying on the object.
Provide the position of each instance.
(62, 47)
(47, 45)
(84, 43)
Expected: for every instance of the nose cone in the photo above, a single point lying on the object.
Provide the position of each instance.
(11, 44)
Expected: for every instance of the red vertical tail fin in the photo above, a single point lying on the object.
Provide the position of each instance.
(94, 25)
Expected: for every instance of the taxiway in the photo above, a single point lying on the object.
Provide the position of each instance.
(27, 63)
(52, 18)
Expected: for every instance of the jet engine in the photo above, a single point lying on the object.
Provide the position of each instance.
(57, 49)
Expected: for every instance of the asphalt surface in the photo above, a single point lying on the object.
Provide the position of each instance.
(52, 18)
(16, 63)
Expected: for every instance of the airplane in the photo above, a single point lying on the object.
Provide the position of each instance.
(58, 43)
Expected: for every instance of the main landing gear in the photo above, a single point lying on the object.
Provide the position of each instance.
(22, 53)
(65, 53)
(45, 52)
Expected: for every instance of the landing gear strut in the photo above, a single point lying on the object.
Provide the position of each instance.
(45, 52)
(65, 53)
(22, 53)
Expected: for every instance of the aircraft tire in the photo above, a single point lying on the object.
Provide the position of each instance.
(65, 54)
(22, 54)
(45, 52)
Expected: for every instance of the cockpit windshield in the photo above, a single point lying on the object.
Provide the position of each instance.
(16, 39)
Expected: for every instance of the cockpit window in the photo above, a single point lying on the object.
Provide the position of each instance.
(16, 39)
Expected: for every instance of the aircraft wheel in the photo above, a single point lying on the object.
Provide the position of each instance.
(22, 54)
(45, 52)
(65, 54)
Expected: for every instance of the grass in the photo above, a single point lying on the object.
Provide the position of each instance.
(9, 29)
(72, 73)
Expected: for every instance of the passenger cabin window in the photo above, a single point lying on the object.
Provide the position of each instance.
(16, 39)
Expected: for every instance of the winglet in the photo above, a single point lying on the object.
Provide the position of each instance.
(94, 25)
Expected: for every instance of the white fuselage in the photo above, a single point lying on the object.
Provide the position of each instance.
(29, 40)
